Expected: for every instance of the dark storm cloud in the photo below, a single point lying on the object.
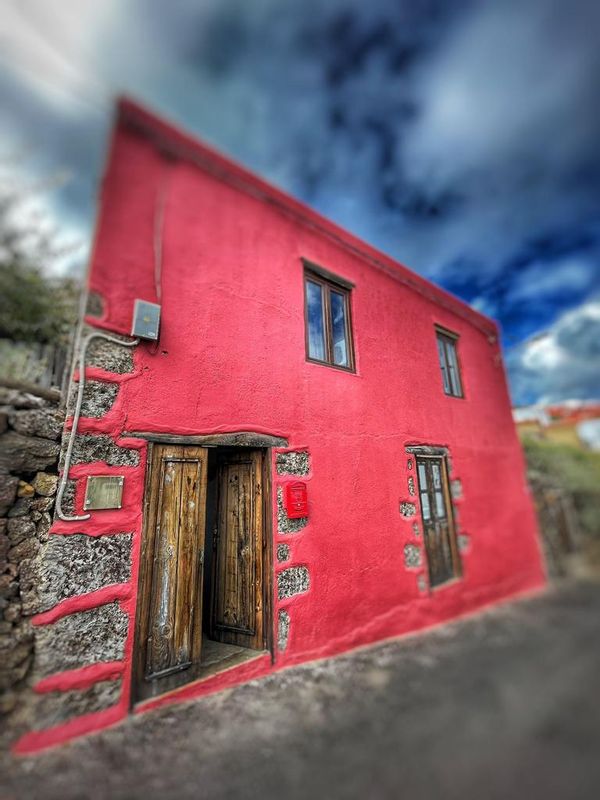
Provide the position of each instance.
(459, 137)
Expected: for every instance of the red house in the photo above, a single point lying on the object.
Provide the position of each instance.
(303, 448)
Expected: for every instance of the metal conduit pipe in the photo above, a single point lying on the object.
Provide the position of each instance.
(76, 414)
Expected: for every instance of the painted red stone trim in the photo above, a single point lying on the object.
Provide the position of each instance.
(80, 678)
(84, 602)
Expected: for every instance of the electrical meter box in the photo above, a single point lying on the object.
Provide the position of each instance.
(146, 320)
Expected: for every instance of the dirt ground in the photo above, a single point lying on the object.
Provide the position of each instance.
(505, 704)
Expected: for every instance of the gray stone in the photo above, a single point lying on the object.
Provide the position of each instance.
(283, 552)
(464, 541)
(26, 453)
(15, 399)
(411, 485)
(3, 420)
(21, 508)
(8, 490)
(110, 357)
(291, 581)
(53, 708)
(296, 462)
(45, 484)
(283, 629)
(44, 422)
(86, 637)
(408, 510)
(43, 527)
(28, 548)
(19, 529)
(456, 488)
(422, 585)
(412, 556)
(75, 564)
(42, 503)
(94, 306)
(409, 463)
(416, 529)
(284, 523)
(98, 398)
(88, 448)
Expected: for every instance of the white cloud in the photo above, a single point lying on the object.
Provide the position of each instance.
(562, 363)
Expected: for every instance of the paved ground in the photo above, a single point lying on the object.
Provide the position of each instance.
(503, 705)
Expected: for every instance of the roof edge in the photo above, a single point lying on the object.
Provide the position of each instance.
(177, 143)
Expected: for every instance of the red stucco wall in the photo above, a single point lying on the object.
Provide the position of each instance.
(231, 357)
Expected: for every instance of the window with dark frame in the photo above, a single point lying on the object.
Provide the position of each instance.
(328, 323)
(446, 344)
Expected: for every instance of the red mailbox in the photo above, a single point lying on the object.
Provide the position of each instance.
(296, 502)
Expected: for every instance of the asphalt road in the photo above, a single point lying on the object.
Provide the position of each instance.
(505, 704)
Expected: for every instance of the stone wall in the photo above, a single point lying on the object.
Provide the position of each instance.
(30, 430)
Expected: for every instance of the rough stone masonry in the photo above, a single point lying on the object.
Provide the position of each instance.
(30, 429)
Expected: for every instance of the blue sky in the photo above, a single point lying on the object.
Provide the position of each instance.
(460, 137)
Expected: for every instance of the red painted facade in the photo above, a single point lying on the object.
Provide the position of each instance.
(231, 357)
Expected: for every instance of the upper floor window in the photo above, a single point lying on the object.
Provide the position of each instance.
(327, 317)
(446, 344)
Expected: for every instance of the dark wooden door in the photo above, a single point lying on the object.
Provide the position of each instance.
(438, 524)
(169, 620)
(237, 607)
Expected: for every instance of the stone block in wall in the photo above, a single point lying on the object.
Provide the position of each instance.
(291, 581)
(26, 453)
(412, 556)
(463, 540)
(456, 489)
(45, 484)
(283, 552)
(284, 523)
(86, 637)
(8, 490)
(55, 708)
(94, 305)
(408, 510)
(76, 564)
(88, 448)
(21, 508)
(283, 629)
(98, 398)
(44, 422)
(108, 356)
(19, 529)
(295, 462)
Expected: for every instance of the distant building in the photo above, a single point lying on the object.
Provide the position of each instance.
(314, 451)
(575, 423)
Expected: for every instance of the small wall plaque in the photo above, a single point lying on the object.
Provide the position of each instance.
(103, 491)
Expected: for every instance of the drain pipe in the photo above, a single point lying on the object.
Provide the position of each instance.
(76, 414)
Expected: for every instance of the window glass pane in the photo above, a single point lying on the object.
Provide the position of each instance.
(338, 329)
(422, 477)
(440, 508)
(435, 468)
(314, 313)
(442, 357)
(453, 368)
(425, 506)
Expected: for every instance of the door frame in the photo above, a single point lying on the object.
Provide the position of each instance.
(428, 453)
(262, 442)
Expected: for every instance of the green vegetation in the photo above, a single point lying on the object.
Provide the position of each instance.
(34, 307)
(573, 469)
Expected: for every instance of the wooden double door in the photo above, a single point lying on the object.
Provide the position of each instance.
(205, 567)
(438, 524)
